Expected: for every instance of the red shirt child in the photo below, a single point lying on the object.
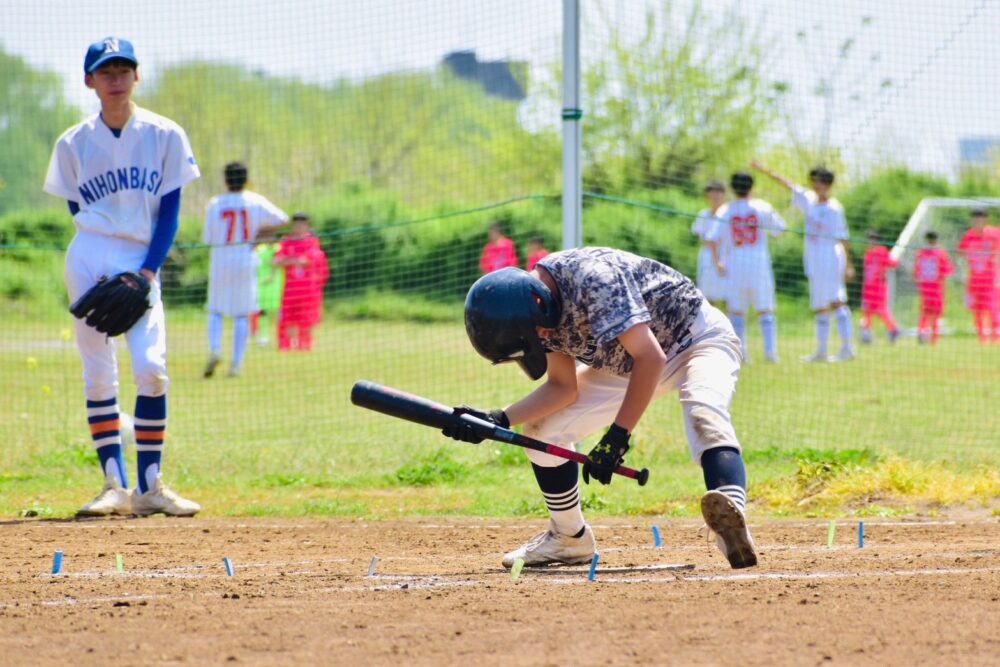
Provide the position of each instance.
(306, 271)
(499, 252)
(930, 270)
(536, 251)
(874, 289)
(980, 246)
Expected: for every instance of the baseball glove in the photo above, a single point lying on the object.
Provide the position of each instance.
(114, 304)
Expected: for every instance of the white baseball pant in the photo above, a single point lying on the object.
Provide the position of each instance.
(89, 257)
(704, 375)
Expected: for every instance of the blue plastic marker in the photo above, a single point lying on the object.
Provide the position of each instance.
(657, 542)
(56, 562)
(861, 534)
(593, 567)
(229, 565)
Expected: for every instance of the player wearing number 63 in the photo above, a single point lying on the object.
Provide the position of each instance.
(232, 223)
(611, 331)
(739, 234)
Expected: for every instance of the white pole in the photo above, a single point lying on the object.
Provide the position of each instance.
(572, 203)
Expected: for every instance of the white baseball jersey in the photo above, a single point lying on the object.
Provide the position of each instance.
(232, 223)
(826, 227)
(118, 181)
(711, 284)
(741, 229)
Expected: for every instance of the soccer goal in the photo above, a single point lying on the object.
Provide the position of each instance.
(949, 217)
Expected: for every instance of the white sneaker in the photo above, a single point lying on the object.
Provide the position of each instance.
(550, 547)
(816, 357)
(772, 359)
(161, 499)
(732, 535)
(234, 371)
(845, 354)
(112, 499)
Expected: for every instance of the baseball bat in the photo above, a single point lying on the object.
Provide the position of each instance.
(424, 411)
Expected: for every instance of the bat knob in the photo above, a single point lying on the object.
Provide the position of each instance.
(642, 477)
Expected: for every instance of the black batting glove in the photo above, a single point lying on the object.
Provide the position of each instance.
(607, 455)
(466, 433)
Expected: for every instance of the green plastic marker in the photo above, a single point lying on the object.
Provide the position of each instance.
(120, 562)
(830, 533)
(515, 571)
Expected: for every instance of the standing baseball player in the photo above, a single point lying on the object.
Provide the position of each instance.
(980, 248)
(711, 283)
(827, 259)
(232, 223)
(611, 331)
(121, 172)
(739, 235)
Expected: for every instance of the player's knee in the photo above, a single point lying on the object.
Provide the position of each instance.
(152, 382)
(711, 427)
(544, 460)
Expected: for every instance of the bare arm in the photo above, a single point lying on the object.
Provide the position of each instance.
(848, 264)
(649, 360)
(558, 391)
(783, 180)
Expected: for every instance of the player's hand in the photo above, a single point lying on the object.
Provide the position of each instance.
(466, 433)
(607, 455)
(721, 268)
(849, 272)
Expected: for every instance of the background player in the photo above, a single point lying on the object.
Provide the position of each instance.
(121, 171)
(931, 267)
(710, 282)
(874, 290)
(639, 330)
(980, 246)
(536, 250)
(827, 258)
(306, 271)
(270, 285)
(499, 251)
(740, 236)
(232, 223)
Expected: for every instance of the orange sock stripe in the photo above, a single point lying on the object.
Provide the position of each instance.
(149, 437)
(102, 427)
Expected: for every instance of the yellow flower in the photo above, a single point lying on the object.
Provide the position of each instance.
(32, 362)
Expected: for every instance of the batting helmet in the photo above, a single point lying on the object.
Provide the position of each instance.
(502, 310)
(236, 175)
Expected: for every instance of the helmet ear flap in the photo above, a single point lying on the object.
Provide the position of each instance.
(547, 308)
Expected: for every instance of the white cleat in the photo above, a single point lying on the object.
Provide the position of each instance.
(549, 547)
(160, 499)
(732, 535)
(816, 357)
(845, 354)
(112, 499)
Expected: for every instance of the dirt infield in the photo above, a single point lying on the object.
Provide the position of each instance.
(917, 593)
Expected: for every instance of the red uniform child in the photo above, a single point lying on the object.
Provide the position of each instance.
(980, 247)
(930, 270)
(499, 251)
(306, 271)
(536, 251)
(874, 291)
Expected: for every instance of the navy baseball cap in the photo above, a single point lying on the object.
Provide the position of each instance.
(106, 50)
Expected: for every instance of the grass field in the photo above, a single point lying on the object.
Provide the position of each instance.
(902, 429)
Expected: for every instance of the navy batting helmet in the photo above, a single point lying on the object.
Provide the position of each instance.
(502, 310)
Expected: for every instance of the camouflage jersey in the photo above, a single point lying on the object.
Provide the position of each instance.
(606, 292)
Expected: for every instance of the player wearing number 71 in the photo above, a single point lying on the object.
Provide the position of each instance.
(739, 233)
(232, 223)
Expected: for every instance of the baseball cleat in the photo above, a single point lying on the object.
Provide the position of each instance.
(161, 500)
(893, 335)
(213, 363)
(550, 547)
(112, 499)
(816, 357)
(845, 354)
(732, 535)
(866, 337)
(234, 372)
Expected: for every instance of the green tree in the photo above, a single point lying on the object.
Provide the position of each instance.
(677, 102)
(33, 113)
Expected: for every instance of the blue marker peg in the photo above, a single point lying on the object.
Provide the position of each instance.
(229, 565)
(56, 562)
(593, 567)
(657, 542)
(861, 534)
